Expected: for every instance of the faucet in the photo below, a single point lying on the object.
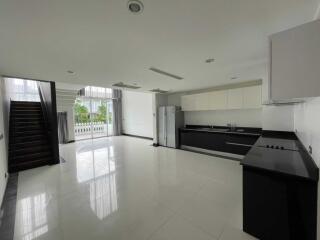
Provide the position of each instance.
(232, 126)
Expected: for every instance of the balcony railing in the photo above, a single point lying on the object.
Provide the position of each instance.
(97, 129)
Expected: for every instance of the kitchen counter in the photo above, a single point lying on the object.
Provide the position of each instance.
(291, 160)
(225, 130)
(218, 140)
(280, 188)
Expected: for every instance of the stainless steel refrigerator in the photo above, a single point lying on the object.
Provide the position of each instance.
(171, 118)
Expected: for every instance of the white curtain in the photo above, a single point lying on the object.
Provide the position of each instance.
(117, 112)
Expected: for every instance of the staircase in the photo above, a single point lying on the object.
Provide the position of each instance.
(29, 146)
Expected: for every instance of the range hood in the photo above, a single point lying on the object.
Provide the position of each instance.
(282, 102)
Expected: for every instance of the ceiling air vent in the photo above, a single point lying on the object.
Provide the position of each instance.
(158, 90)
(122, 85)
(165, 73)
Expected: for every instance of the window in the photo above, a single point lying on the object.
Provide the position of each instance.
(22, 90)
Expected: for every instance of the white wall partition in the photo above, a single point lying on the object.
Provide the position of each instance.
(279, 118)
(307, 126)
(3, 147)
(137, 114)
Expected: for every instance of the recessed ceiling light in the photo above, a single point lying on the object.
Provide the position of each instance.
(210, 60)
(70, 72)
(135, 6)
(234, 78)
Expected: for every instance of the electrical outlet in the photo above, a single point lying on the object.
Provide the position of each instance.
(310, 149)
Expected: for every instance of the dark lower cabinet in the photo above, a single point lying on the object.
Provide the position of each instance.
(223, 142)
(278, 206)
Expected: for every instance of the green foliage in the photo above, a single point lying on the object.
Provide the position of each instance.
(81, 113)
(101, 115)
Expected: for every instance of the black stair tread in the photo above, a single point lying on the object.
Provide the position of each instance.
(28, 144)
(21, 123)
(29, 150)
(36, 137)
(26, 108)
(28, 165)
(28, 133)
(27, 117)
(23, 139)
(29, 156)
(25, 103)
(25, 113)
(28, 128)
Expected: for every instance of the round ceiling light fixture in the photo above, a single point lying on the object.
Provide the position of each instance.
(135, 6)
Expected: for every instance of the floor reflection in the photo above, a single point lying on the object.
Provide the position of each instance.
(34, 216)
(97, 167)
(103, 196)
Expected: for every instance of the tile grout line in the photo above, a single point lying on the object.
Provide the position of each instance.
(161, 226)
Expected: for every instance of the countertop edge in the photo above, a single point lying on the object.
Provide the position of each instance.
(222, 132)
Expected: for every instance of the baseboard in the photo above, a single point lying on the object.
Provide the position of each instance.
(137, 136)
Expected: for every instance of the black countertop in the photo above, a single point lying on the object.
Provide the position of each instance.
(292, 160)
(224, 130)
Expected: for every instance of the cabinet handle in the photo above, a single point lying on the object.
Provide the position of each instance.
(238, 144)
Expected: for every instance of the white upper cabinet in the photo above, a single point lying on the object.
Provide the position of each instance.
(235, 98)
(188, 103)
(217, 100)
(295, 62)
(252, 97)
(238, 98)
(202, 101)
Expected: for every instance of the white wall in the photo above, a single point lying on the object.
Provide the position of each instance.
(3, 147)
(137, 113)
(278, 118)
(307, 126)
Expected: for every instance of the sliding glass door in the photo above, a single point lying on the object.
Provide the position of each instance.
(93, 117)
(100, 118)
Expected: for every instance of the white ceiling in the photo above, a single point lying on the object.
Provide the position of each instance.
(103, 43)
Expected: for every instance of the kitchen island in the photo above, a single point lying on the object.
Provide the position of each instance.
(280, 184)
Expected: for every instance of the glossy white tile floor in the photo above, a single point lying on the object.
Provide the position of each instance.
(123, 188)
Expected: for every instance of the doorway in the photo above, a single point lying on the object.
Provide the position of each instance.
(94, 114)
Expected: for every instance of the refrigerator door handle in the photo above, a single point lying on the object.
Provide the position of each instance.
(165, 127)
